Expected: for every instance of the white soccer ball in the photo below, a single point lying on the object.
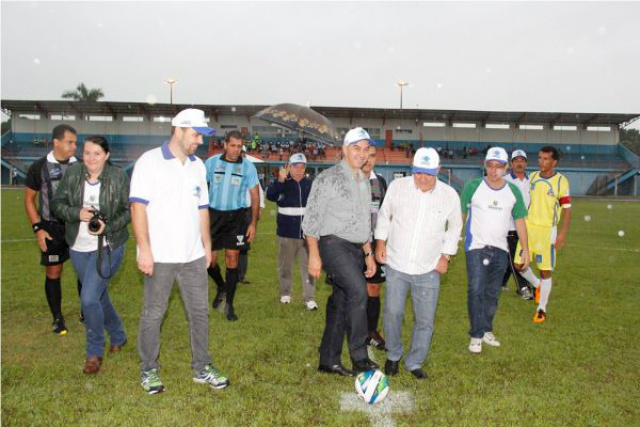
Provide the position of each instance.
(372, 386)
(621, 233)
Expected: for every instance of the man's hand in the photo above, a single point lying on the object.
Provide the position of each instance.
(443, 265)
(381, 252)
(525, 259)
(371, 266)
(42, 236)
(315, 266)
(145, 262)
(560, 241)
(86, 214)
(207, 258)
(282, 174)
(251, 232)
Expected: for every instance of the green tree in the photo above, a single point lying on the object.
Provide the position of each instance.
(81, 93)
(630, 139)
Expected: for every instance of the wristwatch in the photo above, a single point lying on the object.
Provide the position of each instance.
(368, 254)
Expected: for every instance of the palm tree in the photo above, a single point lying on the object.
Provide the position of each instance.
(83, 94)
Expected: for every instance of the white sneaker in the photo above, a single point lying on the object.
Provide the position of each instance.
(285, 299)
(475, 346)
(490, 339)
(311, 305)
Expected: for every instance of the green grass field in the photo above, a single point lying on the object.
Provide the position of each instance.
(580, 368)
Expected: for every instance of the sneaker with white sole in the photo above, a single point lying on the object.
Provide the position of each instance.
(210, 375)
(311, 305)
(286, 299)
(475, 346)
(490, 339)
(150, 381)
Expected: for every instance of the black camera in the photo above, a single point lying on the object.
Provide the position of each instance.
(94, 222)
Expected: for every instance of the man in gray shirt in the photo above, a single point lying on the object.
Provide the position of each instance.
(337, 225)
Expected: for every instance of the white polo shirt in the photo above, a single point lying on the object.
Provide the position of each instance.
(174, 194)
(523, 186)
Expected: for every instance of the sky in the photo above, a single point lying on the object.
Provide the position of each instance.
(497, 56)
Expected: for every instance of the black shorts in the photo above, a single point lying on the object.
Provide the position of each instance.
(57, 248)
(229, 229)
(379, 276)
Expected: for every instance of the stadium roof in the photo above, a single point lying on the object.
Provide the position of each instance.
(142, 108)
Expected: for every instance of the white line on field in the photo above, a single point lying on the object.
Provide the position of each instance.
(17, 240)
(632, 250)
(380, 414)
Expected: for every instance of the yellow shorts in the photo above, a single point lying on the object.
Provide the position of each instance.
(542, 247)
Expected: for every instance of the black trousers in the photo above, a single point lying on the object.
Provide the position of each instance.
(521, 282)
(347, 306)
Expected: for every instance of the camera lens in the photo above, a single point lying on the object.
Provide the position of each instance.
(94, 225)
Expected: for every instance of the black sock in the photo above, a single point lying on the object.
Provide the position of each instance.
(373, 313)
(214, 273)
(53, 291)
(232, 282)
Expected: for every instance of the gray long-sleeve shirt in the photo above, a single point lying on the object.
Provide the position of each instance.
(339, 204)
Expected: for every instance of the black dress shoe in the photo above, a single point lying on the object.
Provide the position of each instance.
(419, 374)
(220, 296)
(230, 313)
(364, 365)
(336, 369)
(391, 367)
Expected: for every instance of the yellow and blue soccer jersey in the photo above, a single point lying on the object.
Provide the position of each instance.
(548, 197)
(229, 182)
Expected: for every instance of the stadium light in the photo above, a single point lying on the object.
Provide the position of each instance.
(171, 82)
(401, 84)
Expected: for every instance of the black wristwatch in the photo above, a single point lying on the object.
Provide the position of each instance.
(37, 227)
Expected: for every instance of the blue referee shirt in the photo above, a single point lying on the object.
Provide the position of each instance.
(229, 182)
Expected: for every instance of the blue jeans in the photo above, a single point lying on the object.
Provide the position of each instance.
(99, 312)
(424, 295)
(485, 270)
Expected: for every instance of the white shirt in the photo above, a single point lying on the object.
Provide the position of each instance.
(419, 226)
(174, 194)
(86, 242)
(523, 186)
(260, 193)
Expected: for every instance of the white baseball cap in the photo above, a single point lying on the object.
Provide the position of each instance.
(298, 158)
(192, 118)
(356, 135)
(426, 160)
(497, 153)
(518, 153)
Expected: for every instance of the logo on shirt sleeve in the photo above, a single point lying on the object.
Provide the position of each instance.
(197, 191)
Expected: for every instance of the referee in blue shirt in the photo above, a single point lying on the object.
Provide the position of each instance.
(230, 177)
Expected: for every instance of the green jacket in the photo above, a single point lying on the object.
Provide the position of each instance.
(114, 202)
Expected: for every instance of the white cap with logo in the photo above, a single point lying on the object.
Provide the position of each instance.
(297, 158)
(497, 153)
(356, 135)
(426, 160)
(192, 118)
(518, 153)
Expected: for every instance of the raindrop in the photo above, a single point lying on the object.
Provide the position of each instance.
(233, 109)
(489, 70)
(485, 261)
(581, 157)
(36, 61)
(569, 148)
(602, 31)
(621, 233)
(357, 45)
(609, 207)
(569, 50)
(439, 85)
(587, 218)
(151, 99)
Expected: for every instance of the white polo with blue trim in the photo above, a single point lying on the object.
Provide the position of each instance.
(174, 194)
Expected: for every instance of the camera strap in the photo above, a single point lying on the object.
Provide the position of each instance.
(99, 261)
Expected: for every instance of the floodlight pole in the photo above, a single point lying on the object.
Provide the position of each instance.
(171, 82)
(401, 84)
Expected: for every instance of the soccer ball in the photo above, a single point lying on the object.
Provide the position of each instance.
(372, 386)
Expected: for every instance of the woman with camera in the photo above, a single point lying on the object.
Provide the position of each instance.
(93, 201)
